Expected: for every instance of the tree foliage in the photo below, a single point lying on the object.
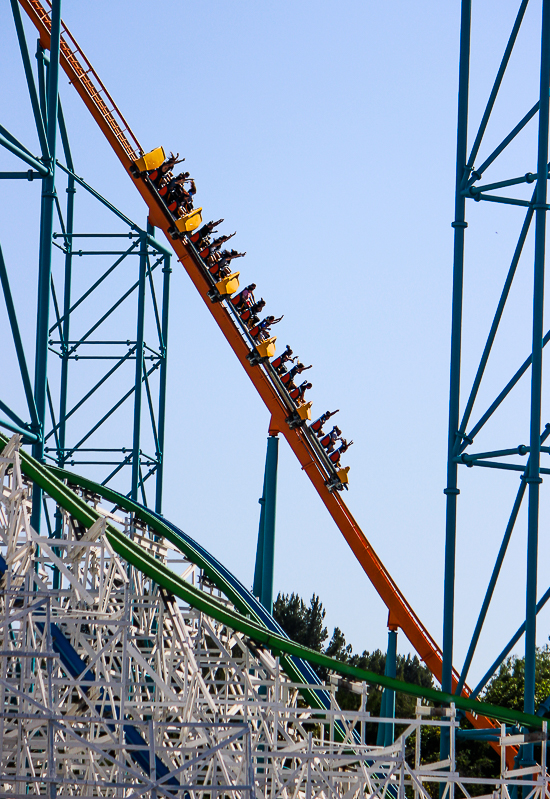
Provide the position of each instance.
(507, 686)
(301, 623)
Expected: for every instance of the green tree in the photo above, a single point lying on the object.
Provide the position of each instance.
(507, 686)
(337, 647)
(301, 623)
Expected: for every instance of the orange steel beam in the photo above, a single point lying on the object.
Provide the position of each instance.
(117, 131)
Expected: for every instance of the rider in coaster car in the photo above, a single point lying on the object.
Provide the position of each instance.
(261, 331)
(186, 204)
(225, 258)
(156, 175)
(335, 456)
(279, 363)
(168, 185)
(255, 307)
(203, 233)
(174, 191)
(215, 245)
(288, 377)
(329, 441)
(245, 298)
(297, 394)
(317, 425)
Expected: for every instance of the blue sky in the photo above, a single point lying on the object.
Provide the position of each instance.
(325, 135)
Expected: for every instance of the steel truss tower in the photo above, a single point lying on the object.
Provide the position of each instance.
(99, 391)
(485, 174)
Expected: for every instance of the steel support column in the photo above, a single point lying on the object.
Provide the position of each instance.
(265, 553)
(65, 328)
(387, 708)
(136, 450)
(258, 566)
(533, 472)
(65, 325)
(166, 271)
(459, 224)
(45, 254)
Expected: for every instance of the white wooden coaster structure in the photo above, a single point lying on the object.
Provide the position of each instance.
(110, 687)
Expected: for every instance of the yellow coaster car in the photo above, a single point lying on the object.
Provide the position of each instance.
(339, 481)
(266, 349)
(343, 475)
(304, 411)
(228, 285)
(189, 222)
(150, 161)
(300, 415)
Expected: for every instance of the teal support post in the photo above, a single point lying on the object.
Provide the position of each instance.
(136, 446)
(65, 327)
(259, 565)
(166, 272)
(265, 552)
(459, 224)
(45, 255)
(533, 478)
(386, 732)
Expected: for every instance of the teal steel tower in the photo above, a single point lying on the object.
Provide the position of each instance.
(530, 202)
(97, 400)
